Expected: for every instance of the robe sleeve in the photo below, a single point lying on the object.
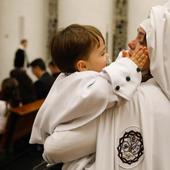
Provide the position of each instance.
(124, 76)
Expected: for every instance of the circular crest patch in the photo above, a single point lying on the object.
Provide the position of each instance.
(130, 148)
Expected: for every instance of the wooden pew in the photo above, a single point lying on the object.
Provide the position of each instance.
(19, 123)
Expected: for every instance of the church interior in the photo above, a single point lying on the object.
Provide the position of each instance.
(37, 21)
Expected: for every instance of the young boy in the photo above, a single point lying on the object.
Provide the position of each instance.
(84, 89)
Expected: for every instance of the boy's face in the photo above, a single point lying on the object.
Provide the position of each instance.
(97, 59)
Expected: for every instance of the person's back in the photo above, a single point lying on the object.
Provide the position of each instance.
(26, 88)
(20, 55)
(10, 97)
(43, 85)
(10, 92)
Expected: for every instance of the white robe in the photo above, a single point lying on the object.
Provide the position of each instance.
(136, 136)
(133, 136)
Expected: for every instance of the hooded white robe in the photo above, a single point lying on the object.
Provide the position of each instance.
(135, 135)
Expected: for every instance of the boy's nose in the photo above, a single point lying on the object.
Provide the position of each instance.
(132, 44)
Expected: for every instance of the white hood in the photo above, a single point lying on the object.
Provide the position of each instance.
(158, 40)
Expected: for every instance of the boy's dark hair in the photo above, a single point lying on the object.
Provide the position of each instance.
(73, 43)
(38, 63)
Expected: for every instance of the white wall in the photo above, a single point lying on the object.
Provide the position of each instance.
(98, 13)
(22, 19)
(137, 12)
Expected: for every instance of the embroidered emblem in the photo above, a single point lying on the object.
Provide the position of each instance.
(130, 147)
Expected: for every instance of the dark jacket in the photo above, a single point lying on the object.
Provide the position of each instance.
(19, 58)
(43, 85)
(26, 87)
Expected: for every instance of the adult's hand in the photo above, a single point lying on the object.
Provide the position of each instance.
(139, 57)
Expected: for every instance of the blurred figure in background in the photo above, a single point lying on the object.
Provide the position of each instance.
(55, 71)
(10, 92)
(20, 59)
(10, 97)
(26, 87)
(45, 80)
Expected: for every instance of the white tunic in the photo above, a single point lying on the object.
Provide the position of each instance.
(137, 135)
(79, 98)
(132, 136)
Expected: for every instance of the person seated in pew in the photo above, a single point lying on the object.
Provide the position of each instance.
(26, 87)
(10, 92)
(45, 80)
(10, 97)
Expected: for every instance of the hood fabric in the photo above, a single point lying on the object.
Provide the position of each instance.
(157, 29)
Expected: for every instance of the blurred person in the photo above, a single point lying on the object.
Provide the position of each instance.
(45, 80)
(26, 87)
(10, 92)
(10, 97)
(21, 59)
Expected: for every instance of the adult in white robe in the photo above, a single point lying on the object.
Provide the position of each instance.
(134, 135)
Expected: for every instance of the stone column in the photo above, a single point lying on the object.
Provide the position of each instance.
(120, 30)
(52, 19)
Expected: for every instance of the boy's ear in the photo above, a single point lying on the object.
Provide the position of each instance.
(81, 65)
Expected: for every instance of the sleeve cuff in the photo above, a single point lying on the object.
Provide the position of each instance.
(124, 76)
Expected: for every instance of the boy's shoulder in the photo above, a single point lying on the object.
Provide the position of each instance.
(75, 80)
(77, 75)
